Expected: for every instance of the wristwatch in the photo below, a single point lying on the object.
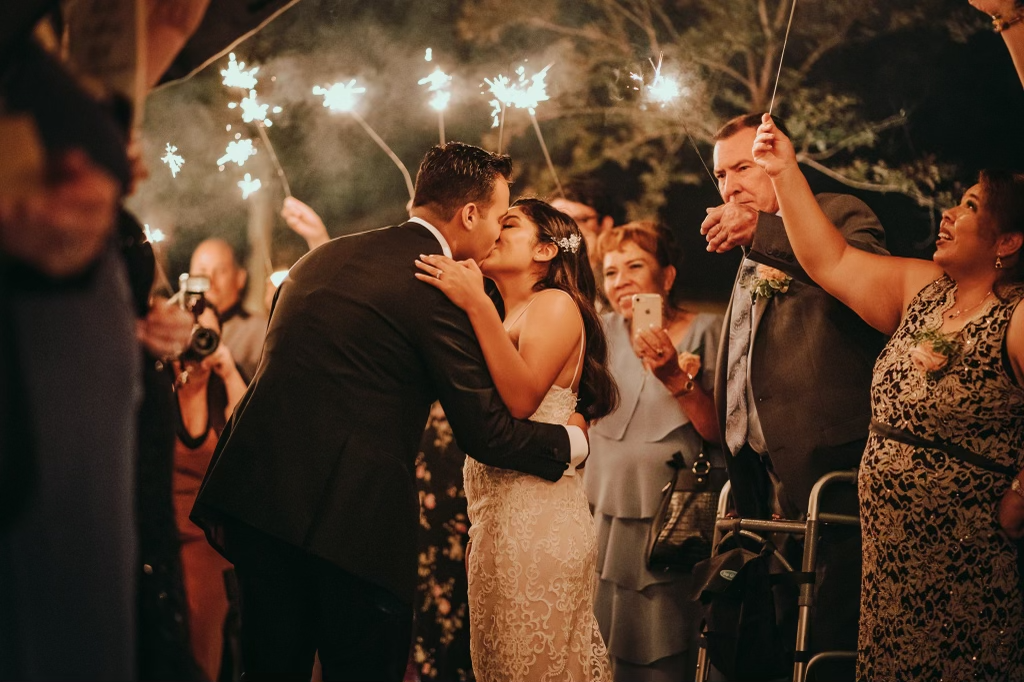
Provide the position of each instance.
(1017, 487)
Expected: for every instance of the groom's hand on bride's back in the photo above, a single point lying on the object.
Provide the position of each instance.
(579, 420)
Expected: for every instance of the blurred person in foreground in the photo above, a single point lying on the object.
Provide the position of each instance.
(316, 505)
(940, 483)
(666, 380)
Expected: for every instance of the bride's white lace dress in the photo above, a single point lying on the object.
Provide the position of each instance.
(532, 570)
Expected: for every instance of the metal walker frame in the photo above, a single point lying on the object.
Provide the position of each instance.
(811, 531)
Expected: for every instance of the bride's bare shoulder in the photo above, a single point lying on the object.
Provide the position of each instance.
(555, 304)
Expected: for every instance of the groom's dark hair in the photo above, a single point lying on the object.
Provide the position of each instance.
(455, 174)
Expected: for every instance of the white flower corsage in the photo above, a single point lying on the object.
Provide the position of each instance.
(767, 282)
(933, 351)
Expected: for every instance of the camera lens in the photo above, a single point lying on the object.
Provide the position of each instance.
(204, 341)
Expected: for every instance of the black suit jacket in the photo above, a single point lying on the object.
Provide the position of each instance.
(320, 451)
(810, 369)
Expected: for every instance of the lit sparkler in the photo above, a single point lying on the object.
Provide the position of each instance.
(664, 90)
(343, 97)
(173, 161)
(523, 93)
(153, 236)
(340, 96)
(252, 110)
(237, 151)
(236, 77)
(249, 186)
(277, 277)
(438, 82)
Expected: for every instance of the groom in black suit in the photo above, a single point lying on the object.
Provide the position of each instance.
(311, 491)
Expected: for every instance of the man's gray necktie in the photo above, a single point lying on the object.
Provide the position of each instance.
(739, 349)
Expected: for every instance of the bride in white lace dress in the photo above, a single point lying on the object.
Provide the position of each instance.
(533, 554)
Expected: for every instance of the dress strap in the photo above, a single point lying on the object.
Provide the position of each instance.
(583, 339)
(525, 308)
(583, 348)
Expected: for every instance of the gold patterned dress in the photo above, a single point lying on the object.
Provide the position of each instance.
(941, 596)
(531, 571)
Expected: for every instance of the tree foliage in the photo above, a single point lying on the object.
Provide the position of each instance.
(726, 56)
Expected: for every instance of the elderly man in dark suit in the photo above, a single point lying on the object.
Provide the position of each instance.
(794, 368)
(311, 492)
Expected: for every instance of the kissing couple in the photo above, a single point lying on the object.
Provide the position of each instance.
(311, 490)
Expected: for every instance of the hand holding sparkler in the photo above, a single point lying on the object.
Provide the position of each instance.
(305, 222)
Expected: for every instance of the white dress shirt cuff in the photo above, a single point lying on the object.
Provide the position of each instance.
(579, 448)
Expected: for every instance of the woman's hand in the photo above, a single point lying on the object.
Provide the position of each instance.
(772, 149)
(221, 362)
(655, 348)
(305, 222)
(461, 281)
(1011, 514)
(166, 330)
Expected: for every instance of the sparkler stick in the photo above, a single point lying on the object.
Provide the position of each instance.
(343, 97)
(547, 156)
(782, 55)
(387, 150)
(273, 157)
(501, 129)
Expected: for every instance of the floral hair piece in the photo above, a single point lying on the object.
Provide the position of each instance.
(570, 243)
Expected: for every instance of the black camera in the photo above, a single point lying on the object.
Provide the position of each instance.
(204, 340)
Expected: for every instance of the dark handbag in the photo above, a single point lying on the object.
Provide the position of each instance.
(682, 529)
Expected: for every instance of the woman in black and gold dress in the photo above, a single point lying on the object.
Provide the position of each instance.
(940, 496)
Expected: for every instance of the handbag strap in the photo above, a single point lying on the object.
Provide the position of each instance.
(957, 451)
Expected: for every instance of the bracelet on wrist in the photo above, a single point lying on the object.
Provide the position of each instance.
(686, 389)
(1000, 24)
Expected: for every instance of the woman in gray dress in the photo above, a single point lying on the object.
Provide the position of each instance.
(665, 378)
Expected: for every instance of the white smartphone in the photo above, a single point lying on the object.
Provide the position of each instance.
(646, 311)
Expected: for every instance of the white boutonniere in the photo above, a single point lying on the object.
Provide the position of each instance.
(768, 281)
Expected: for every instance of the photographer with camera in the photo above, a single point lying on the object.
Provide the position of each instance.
(207, 387)
(243, 331)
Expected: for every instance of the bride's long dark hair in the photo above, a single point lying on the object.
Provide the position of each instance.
(570, 271)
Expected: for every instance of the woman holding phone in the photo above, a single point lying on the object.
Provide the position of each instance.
(662, 357)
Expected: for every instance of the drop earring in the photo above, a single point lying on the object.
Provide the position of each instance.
(999, 262)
